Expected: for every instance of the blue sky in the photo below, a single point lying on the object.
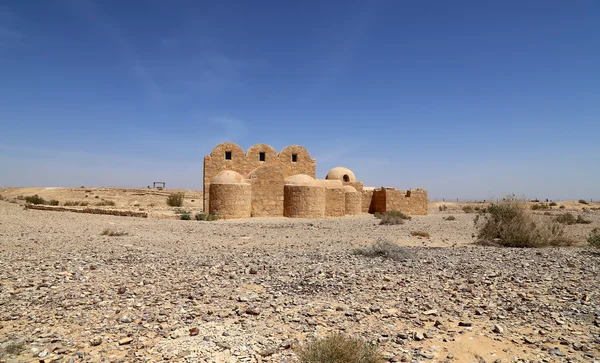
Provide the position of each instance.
(468, 99)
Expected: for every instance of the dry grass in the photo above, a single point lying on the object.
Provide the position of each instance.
(420, 234)
(569, 219)
(392, 217)
(387, 250)
(510, 224)
(594, 238)
(111, 233)
(206, 217)
(175, 199)
(468, 209)
(75, 203)
(339, 348)
(105, 203)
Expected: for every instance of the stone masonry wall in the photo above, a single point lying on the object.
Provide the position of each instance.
(245, 162)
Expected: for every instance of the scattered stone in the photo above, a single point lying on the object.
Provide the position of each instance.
(125, 341)
(95, 341)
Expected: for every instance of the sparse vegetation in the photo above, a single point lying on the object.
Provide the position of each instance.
(569, 219)
(2, 197)
(339, 348)
(509, 224)
(468, 209)
(53, 202)
(75, 203)
(583, 201)
(185, 216)
(14, 348)
(392, 217)
(594, 238)
(111, 233)
(385, 249)
(561, 207)
(540, 206)
(450, 218)
(105, 203)
(420, 234)
(206, 217)
(552, 204)
(443, 207)
(175, 199)
(34, 199)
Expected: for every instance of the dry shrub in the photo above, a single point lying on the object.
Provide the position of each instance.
(594, 238)
(387, 250)
(206, 217)
(561, 207)
(339, 348)
(510, 224)
(111, 233)
(34, 199)
(76, 203)
(552, 204)
(420, 234)
(443, 207)
(2, 197)
(583, 201)
(569, 219)
(175, 199)
(105, 203)
(392, 217)
(540, 206)
(468, 209)
(450, 218)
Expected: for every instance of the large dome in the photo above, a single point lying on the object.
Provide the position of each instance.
(301, 179)
(228, 177)
(342, 174)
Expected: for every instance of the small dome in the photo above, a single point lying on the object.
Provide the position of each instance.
(301, 179)
(342, 174)
(330, 184)
(228, 177)
(349, 189)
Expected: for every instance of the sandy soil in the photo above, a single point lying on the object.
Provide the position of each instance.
(252, 290)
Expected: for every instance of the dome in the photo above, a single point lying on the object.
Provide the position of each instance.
(342, 174)
(228, 177)
(301, 179)
(330, 184)
(349, 189)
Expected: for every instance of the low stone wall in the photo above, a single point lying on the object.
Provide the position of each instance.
(112, 212)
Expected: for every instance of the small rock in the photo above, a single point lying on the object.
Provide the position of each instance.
(498, 329)
(121, 290)
(125, 341)
(95, 341)
(465, 323)
(194, 332)
(252, 311)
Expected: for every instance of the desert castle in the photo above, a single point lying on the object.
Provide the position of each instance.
(263, 183)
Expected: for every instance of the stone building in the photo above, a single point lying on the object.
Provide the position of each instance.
(263, 183)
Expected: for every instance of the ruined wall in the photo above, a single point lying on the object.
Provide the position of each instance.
(230, 200)
(112, 212)
(368, 206)
(335, 202)
(302, 201)
(412, 202)
(267, 191)
(292, 160)
(379, 205)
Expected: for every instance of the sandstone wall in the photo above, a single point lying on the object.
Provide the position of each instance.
(245, 162)
(267, 191)
(368, 205)
(358, 186)
(412, 202)
(335, 202)
(231, 200)
(353, 202)
(302, 201)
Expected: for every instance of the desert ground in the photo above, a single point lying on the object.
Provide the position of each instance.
(254, 290)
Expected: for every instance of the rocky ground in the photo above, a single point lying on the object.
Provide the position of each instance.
(253, 290)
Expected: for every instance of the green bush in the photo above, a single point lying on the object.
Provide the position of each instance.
(175, 199)
(206, 217)
(338, 348)
(509, 224)
(35, 199)
(594, 238)
(185, 217)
